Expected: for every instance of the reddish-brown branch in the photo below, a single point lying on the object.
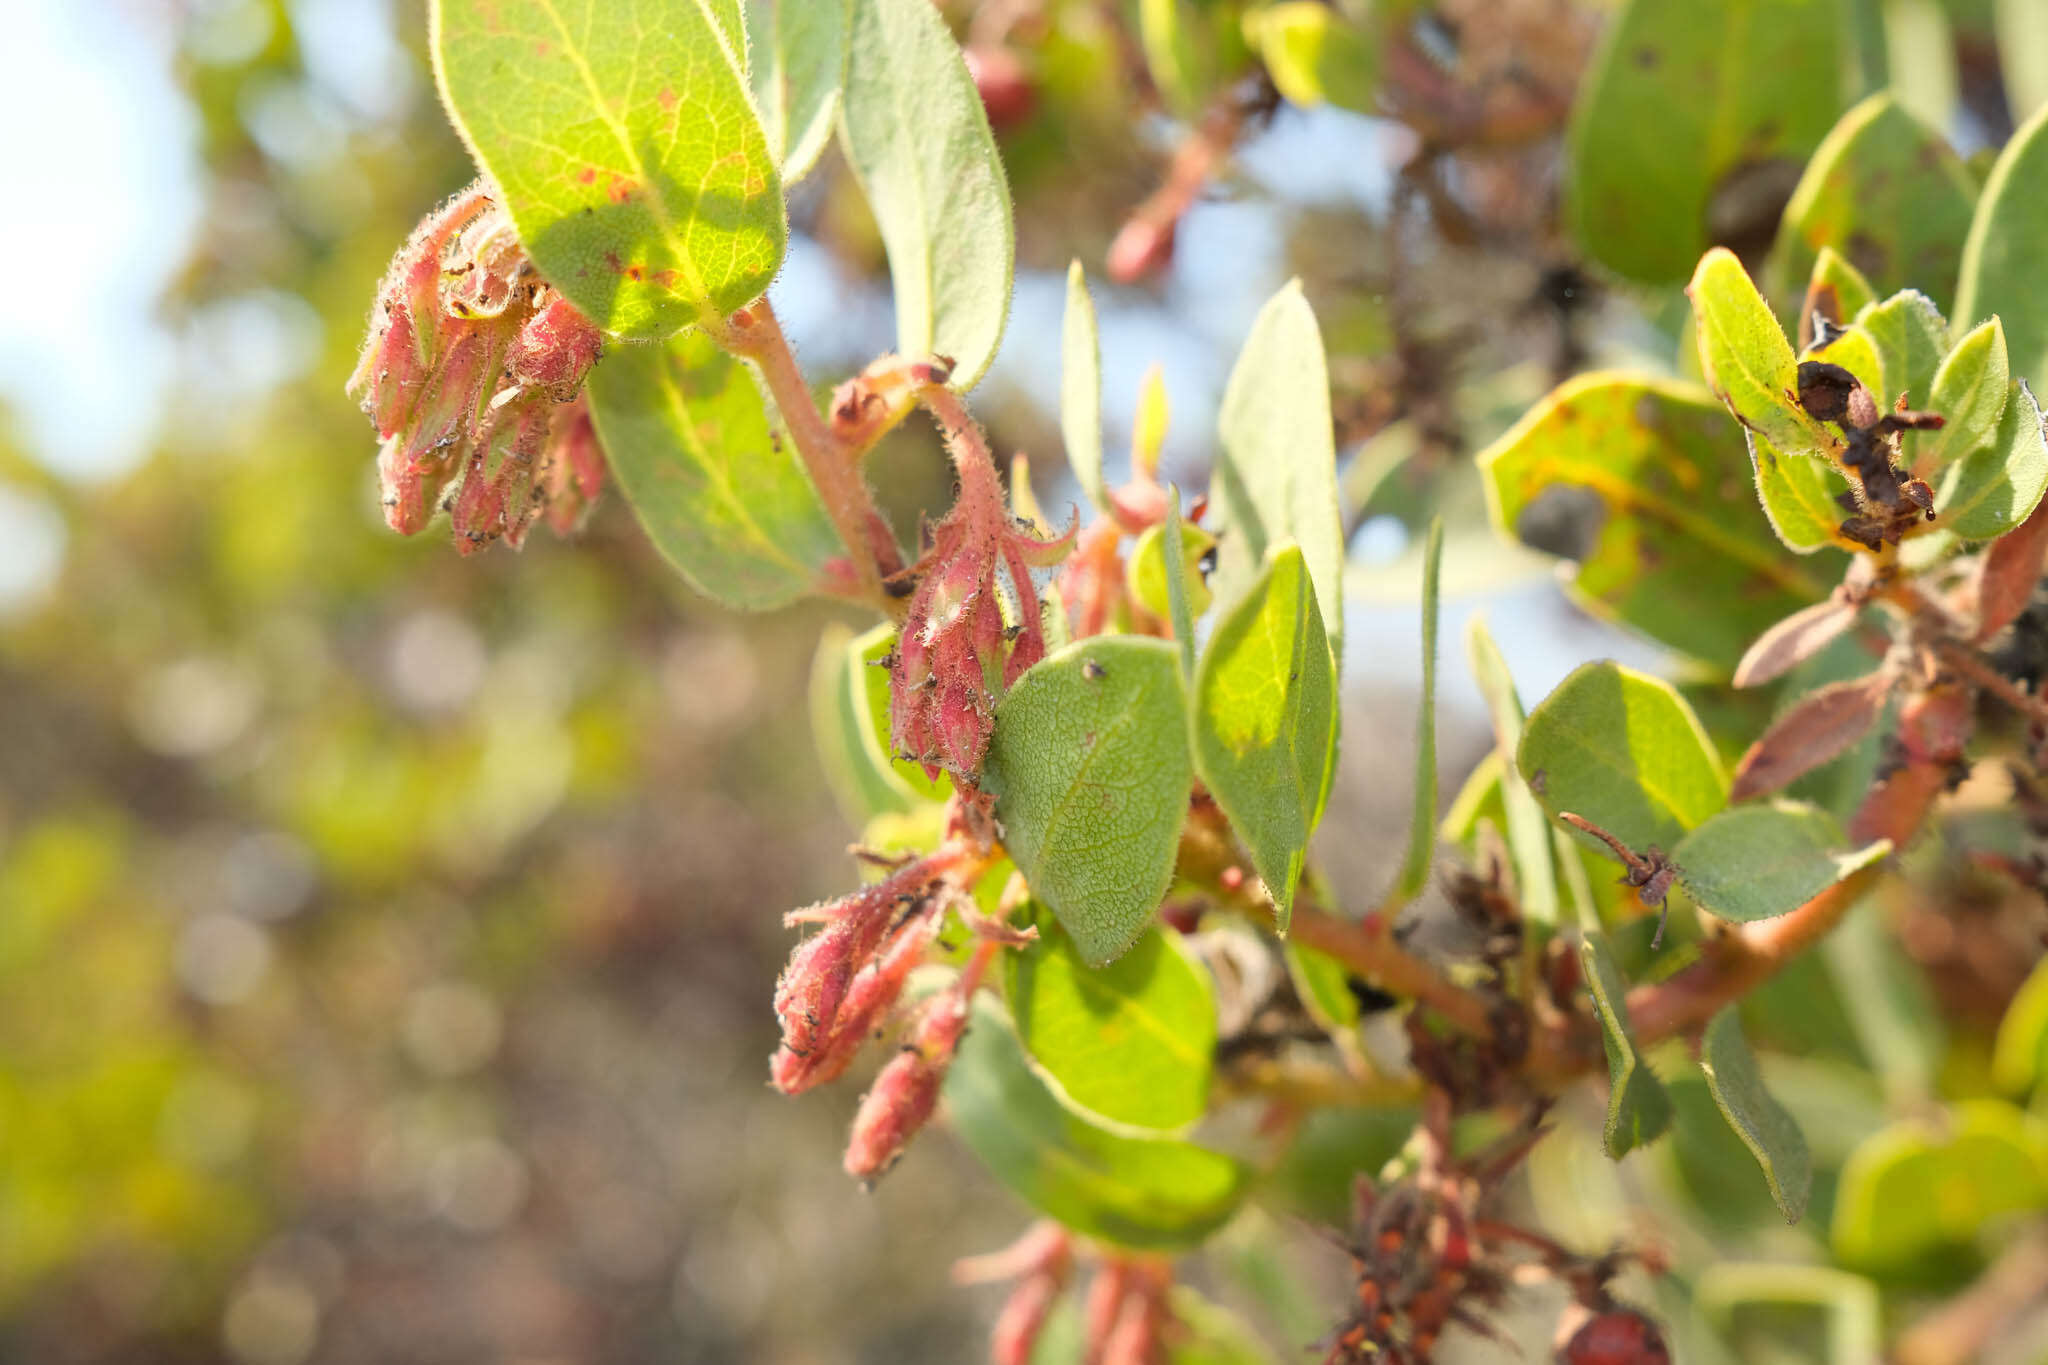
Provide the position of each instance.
(755, 334)
(1368, 948)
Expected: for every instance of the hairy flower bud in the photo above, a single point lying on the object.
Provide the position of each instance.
(963, 641)
(907, 1091)
(471, 357)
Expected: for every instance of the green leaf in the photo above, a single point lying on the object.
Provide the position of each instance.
(1276, 478)
(919, 143)
(1886, 190)
(1798, 494)
(854, 766)
(799, 67)
(1683, 106)
(1915, 1193)
(1090, 768)
(1177, 557)
(1649, 475)
(1911, 339)
(1760, 1121)
(1852, 293)
(1131, 1042)
(1638, 1110)
(2005, 271)
(2020, 1059)
(1265, 722)
(1747, 360)
(1172, 55)
(627, 149)
(1970, 391)
(1324, 985)
(1081, 390)
(2023, 55)
(1996, 487)
(1528, 831)
(1623, 750)
(1147, 1194)
(1758, 861)
(1317, 56)
(722, 496)
(1414, 874)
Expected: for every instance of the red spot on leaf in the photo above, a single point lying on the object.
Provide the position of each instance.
(667, 99)
(588, 175)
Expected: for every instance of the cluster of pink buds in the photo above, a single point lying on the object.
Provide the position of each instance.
(907, 1090)
(1127, 1316)
(973, 626)
(471, 373)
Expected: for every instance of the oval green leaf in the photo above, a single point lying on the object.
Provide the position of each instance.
(1684, 104)
(798, 68)
(1638, 1110)
(919, 143)
(627, 149)
(1276, 478)
(1759, 1120)
(1916, 1192)
(1990, 491)
(1623, 750)
(1081, 389)
(720, 493)
(1758, 861)
(1653, 472)
(2020, 1059)
(1889, 193)
(1747, 360)
(1265, 722)
(2005, 271)
(1798, 494)
(1148, 1194)
(1090, 768)
(1317, 56)
(1970, 392)
(1132, 1042)
(1911, 338)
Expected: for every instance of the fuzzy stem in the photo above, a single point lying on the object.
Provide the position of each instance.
(755, 334)
(967, 444)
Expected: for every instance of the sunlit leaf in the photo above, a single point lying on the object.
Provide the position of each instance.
(2005, 271)
(1992, 490)
(2020, 1058)
(1148, 1194)
(1081, 390)
(1131, 1042)
(798, 67)
(1887, 191)
(1798, 493)
(1623, 750)
(628, 151)
(1528, 830)
(1911, 338)
(719, 492)
(1794, 640)
(1265, 721)
(919, 142)
(1644, 481)
(1315, 55)
(1090, 768)
(1414, 874)
(1747, 360)
(1276, 478)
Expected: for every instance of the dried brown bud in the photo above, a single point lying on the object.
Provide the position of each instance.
(1825, 390)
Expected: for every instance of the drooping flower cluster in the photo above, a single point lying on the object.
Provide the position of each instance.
(472, 373)
(963, 640)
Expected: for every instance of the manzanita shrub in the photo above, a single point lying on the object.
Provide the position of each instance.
(1091, 750)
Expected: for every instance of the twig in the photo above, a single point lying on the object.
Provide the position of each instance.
(1980, 671)
(755, 334)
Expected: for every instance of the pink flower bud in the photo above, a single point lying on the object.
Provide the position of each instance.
(555, 349)
(1141, 247)
(1015, 1335)
(907, 1091)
